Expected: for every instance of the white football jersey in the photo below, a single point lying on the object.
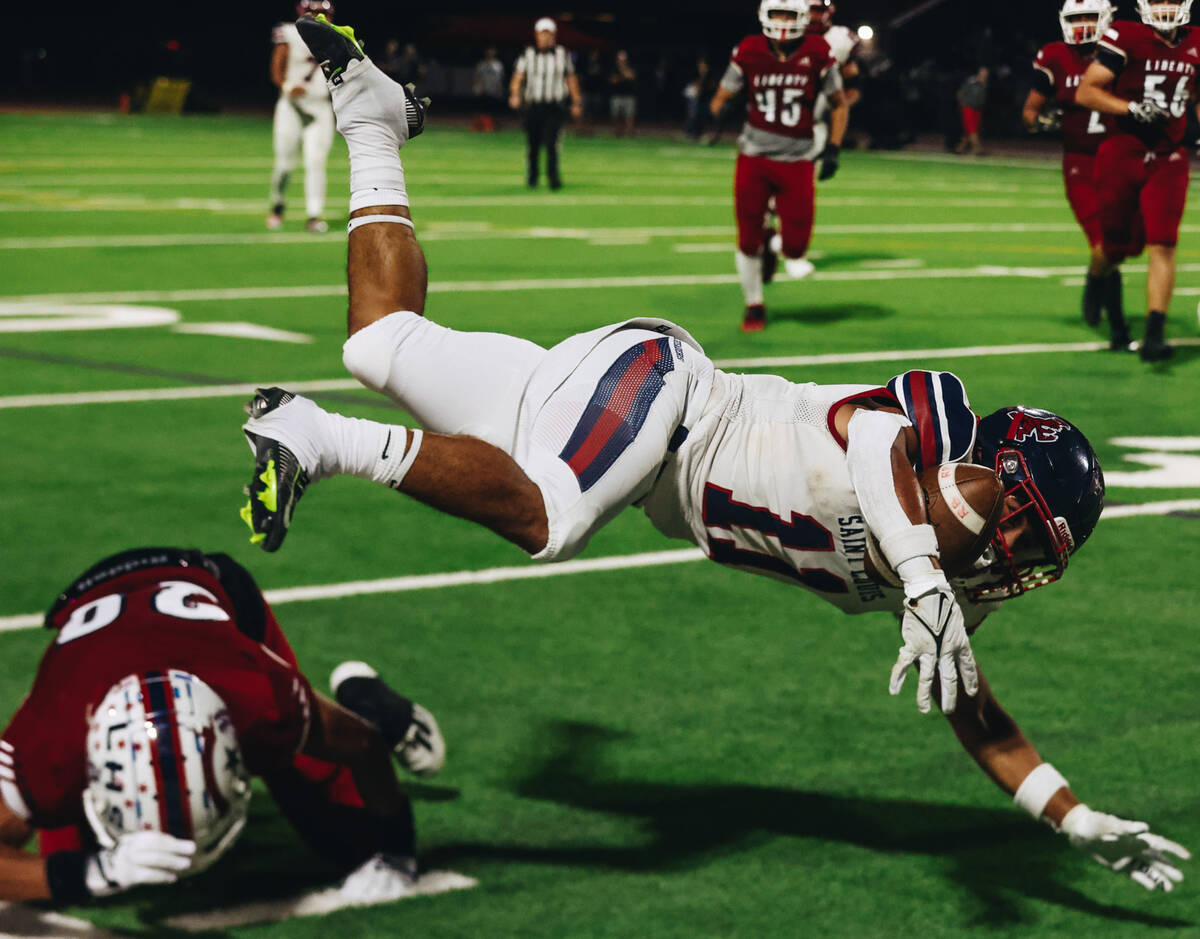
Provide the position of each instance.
(302, 68)
(841, 43)
(761, 484)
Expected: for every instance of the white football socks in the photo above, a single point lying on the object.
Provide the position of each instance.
(750, 272)
(372, 115)
(330, 444)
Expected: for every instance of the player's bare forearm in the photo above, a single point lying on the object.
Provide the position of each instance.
(341, 736)
(996, 743)
(1034, 102)
(719, 101)
(1093, 92)
(22, 875)
(839, 119)
(385, 269)
(279, 65)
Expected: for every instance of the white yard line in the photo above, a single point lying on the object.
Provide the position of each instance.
(495, 575)
(483, 230)
(542, 283)
(137, 395)
(119, 203)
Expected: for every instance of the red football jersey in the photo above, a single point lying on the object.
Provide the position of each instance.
(781, 94)
(1149, 68)
(1063, 65)
(155, 618)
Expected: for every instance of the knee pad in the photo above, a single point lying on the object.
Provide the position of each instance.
(368, 354)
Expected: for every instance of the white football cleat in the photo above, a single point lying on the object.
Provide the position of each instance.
(798, 268)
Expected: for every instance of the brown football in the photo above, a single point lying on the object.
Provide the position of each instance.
(963, 502)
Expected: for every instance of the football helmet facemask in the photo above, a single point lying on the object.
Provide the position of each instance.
(1084, 21)
(1165, 15)
(162, 755)
(783, 20)
(1054, 493)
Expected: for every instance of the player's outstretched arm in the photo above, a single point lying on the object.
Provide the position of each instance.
(997, 744)
(881, 451)
(136, 860)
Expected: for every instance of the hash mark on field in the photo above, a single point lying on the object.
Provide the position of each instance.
(495, 575)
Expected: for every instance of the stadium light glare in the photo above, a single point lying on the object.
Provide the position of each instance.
(866, 33)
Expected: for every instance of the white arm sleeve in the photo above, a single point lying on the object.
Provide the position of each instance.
(869, 439)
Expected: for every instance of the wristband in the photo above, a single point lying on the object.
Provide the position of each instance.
(914, 541)
(65, 874)
(1038, 788)
(831, 150)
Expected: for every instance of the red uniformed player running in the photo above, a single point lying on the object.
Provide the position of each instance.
(167, 685)
(1144, 76)
(783, 72)
(1057, 70)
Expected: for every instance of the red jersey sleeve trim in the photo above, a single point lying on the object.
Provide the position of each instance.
(877, 395)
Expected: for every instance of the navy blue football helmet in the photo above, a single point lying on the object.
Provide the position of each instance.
(1052, 484)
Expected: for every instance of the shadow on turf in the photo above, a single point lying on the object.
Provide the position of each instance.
(995, 855)
(269, 862)
(834, 313)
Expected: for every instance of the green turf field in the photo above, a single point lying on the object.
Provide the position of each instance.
(678, 750)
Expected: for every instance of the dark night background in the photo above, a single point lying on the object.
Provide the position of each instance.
(923, 50)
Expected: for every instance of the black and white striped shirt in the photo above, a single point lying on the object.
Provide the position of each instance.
(545, 72)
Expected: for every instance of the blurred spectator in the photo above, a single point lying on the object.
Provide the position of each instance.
(542, 80)
(622, 83)
(488, 85)
(972, 96)
(696, 94)
(402, 66)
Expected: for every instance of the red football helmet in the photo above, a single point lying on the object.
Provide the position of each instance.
(820, 15)
(313, 7)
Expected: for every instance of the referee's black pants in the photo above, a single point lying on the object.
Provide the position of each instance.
(543, 126)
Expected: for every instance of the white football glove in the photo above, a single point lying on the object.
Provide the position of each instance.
(935, 638)
(1148, 111)
(423, 749)
(1125, 846)
(144, 857)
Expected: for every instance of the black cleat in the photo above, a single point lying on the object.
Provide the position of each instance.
(336, 48)
(1155, 347)
(279, 480)
(409, 729)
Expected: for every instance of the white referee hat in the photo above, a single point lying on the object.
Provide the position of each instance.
(545, 25)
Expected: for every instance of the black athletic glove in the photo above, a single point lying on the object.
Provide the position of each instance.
(829, 161)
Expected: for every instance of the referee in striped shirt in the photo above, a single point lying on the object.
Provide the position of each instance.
(542, 80)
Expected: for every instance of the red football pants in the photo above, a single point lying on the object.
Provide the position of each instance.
(1079, 179)
(1141, 194)
(755, 180)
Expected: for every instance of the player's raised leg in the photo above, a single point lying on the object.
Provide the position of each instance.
(297, 443)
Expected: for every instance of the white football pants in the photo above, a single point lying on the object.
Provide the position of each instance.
(308, 121)
(591, 421)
